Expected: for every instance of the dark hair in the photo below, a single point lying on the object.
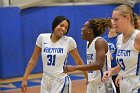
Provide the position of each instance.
(58, 20)
(99, 25)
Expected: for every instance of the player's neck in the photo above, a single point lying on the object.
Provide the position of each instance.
(90, 40)
(54, 39)
(127, 35)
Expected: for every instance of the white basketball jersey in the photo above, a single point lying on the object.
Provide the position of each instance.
(127, 56)
(54, 55)
(91, 57)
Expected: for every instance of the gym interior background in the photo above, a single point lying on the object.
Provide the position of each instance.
(22, 22)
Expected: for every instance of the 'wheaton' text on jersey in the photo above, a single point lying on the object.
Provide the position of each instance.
(53, 50)
(123, 53)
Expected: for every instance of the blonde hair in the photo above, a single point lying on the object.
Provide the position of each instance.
(125, 10)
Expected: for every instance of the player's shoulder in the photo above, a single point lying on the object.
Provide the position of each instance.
(137, 38)
(120, 36)
(68, 38)
(44, 34)
(100, 39)
(138, 32)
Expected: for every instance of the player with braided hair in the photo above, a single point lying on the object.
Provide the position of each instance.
(97, 56)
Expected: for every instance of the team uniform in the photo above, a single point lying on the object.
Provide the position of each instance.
(54, 57)
(112, 48)
(129, 60)
(95, 84)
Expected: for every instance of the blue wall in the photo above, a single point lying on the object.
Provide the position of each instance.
(11, 49)
(137, 8)
(19, 30)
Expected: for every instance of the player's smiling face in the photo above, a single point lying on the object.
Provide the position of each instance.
(85, 31)
(119, 21)
(61, 29)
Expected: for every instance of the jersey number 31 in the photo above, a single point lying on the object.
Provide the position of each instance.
(51, 60)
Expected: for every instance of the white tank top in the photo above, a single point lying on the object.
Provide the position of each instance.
(54, 55)
(127, 56)
(96, 76)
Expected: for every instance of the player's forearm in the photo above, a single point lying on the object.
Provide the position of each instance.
(79, 61)
(87, 67)
(115, 70)
(29, 68)
(82, 67)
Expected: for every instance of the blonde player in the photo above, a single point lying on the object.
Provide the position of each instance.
(128, 53)
(54, 48)
(98, 57)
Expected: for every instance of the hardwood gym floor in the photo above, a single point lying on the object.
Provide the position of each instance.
(78, 85)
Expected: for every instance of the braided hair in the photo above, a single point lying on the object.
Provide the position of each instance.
(99, 25)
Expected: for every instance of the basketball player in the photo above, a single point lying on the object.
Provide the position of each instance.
(97, 56)
(54, 48)
(128, 51)
(111, 38)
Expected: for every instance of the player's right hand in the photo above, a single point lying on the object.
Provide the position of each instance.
(106, 75)
(69, 68)
(24, 86)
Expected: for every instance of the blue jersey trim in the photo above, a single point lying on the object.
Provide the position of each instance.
(138, 65)
(101, 71)
(106, 63)
(139, 90)
(67, 79)
(68, 84)
(63, 86)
